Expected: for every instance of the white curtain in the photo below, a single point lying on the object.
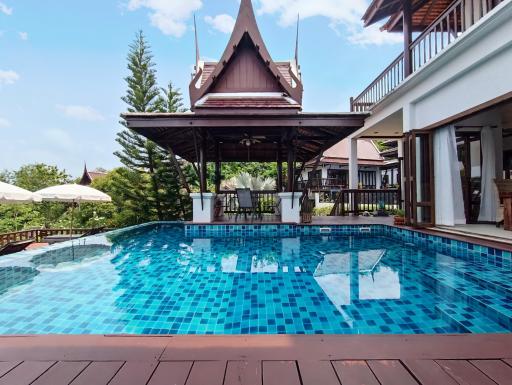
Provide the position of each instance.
(489, 197)
(448, 185)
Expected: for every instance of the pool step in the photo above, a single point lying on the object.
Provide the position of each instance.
(495, 306)
(467, 319)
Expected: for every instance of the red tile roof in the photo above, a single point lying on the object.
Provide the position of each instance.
(247, 102)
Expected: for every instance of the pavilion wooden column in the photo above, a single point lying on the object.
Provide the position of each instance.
(290, 166)
(407, 23)
(218, 168)
(203, 172)
(279, 167)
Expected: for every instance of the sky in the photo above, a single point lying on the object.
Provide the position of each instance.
(63, 64)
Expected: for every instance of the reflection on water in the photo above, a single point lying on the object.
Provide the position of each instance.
(75, 253)
(14, 276)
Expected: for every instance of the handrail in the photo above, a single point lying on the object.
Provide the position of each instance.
(441, 33)
(357, 201)
(38, 234)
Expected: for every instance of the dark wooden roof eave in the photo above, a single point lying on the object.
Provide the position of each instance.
(315, 132)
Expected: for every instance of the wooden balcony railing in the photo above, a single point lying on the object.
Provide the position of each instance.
(360, 201)
(38, 234)
(443, 32)
(267, 201)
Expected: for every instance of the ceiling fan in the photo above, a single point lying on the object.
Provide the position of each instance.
(249, 140)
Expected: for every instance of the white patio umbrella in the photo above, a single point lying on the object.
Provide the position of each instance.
(10, 194)
(73, 193)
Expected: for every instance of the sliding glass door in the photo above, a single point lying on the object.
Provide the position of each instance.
(419, 179)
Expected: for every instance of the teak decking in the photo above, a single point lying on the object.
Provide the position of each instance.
(256, 360)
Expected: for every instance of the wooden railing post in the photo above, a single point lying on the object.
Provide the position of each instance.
(407, 23)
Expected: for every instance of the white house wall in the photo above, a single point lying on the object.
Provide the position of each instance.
(473, 70)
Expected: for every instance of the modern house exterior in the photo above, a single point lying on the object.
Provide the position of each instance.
(447, 101)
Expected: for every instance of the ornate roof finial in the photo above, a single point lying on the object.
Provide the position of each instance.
(86, 178)
(198, 56)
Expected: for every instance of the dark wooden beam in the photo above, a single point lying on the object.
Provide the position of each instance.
(218, 167)
(202, 161)
(407, 16)
(279, 167)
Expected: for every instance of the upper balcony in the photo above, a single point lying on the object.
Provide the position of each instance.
(439, 23)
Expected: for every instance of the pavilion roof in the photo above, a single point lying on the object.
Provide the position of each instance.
(311, 133)
(425, 12)
(246, 67)
(367, 153)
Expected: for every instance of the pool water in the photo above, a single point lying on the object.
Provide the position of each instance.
(156, 280)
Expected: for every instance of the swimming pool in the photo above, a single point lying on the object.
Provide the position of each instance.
(168, 279)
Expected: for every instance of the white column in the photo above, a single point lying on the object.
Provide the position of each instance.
(353, 170)
(317, 199)
(378, 180)
(203, 212)
(290, 212)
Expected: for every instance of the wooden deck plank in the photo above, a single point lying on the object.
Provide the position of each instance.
(7, 366)
(508, 361)
(465, 373)
(391, 372)
(317, 372)
(207, 372)
(98, 373)
(171, 373)
(134, 373)
(243, 373)
(62, 373)
(280, 373)
(26, 373)
(354, 373)
(428, 372)
(496, 370)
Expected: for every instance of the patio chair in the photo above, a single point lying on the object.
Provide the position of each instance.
(15, 247)
(246, 203)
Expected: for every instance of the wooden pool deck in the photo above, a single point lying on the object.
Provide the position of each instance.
(256, 360)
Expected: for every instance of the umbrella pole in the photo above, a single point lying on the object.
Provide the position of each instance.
(16, 219)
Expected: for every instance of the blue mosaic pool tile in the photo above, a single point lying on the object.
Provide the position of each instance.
(243, 279)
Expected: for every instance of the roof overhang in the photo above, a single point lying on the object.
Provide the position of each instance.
(310, 133)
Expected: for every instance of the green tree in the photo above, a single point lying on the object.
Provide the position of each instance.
(37, 176)
(138, 154)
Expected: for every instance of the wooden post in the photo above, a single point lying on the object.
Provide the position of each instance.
(279, 168)
(218, 168)
(202, 162)
(407, 23)
(290, 166)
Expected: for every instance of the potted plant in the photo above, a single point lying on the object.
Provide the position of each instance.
(399, 217)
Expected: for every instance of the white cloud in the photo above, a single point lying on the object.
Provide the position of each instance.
(23, 35)
(170, 16)
(4, 123)
(223, 23)
(5, 9)
(86, 113)
(8, 77)
(373, 35)
(340, 13)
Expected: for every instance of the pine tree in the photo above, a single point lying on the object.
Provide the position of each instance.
(150, 185)
(138, 154)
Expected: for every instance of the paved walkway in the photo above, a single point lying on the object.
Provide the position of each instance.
(257, 360)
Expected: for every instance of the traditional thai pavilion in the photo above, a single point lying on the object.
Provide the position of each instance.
(90, 176)
(246, 108)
